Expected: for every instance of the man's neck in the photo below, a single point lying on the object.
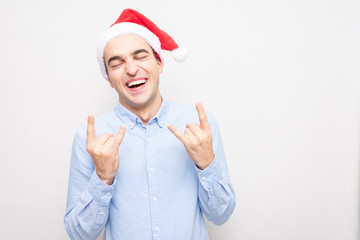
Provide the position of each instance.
(148, 112)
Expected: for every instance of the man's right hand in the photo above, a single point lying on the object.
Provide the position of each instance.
(104, 151)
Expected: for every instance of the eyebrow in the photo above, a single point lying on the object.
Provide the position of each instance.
(139, 51)
(113, 58)
(134, 53)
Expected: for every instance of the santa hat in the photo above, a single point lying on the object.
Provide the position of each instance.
(131, 21)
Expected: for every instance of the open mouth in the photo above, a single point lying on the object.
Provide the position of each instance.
(137, 83)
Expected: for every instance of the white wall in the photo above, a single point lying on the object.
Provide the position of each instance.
(282, 78)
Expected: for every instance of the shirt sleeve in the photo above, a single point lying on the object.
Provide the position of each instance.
(88, 197)
(216, 193)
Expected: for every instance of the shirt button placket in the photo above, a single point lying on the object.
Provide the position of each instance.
(153, 187)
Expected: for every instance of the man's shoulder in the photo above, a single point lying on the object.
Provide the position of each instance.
(186, 113)
(103, 123)
(180, 111)
(107, 118)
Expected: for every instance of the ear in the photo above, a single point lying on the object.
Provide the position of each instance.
(160, 65)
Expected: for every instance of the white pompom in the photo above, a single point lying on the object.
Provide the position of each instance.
(179, 54)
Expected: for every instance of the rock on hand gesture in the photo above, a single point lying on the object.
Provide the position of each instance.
(197, 139)
(104, 151)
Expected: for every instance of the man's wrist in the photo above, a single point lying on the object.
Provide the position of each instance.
(106, 179)
(204, 165)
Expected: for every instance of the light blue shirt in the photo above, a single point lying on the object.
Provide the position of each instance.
(158, 192)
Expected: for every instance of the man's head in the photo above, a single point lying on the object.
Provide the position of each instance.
(131, 21)
(133, 70)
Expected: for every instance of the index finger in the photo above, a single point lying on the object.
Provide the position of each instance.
(178, 134)
(202, 116)
(91, 136)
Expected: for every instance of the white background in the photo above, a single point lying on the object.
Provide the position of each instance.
(281, 77)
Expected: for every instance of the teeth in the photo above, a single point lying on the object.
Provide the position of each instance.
(136, 82)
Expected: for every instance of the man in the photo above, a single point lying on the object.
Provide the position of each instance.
(148, 169)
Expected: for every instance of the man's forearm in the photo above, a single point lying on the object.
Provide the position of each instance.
(216, 195)
(88, 216)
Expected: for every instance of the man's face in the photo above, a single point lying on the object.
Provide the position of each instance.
(133, 71)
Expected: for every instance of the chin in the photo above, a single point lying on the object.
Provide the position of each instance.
(139, 103)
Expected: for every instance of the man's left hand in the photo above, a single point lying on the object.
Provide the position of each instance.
(197, 139)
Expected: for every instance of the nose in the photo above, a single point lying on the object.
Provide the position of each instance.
(131, 68)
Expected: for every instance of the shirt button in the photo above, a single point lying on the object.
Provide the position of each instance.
(154, 199)
(108, 193)
(149, 140)
(151, 170)
(101, 213)
(131, 124)
(203, 178)
(157, 229)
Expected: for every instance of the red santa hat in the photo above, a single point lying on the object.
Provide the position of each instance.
(131, 21)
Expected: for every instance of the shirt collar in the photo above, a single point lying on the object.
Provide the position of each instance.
(160, 117)
(130, 119)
